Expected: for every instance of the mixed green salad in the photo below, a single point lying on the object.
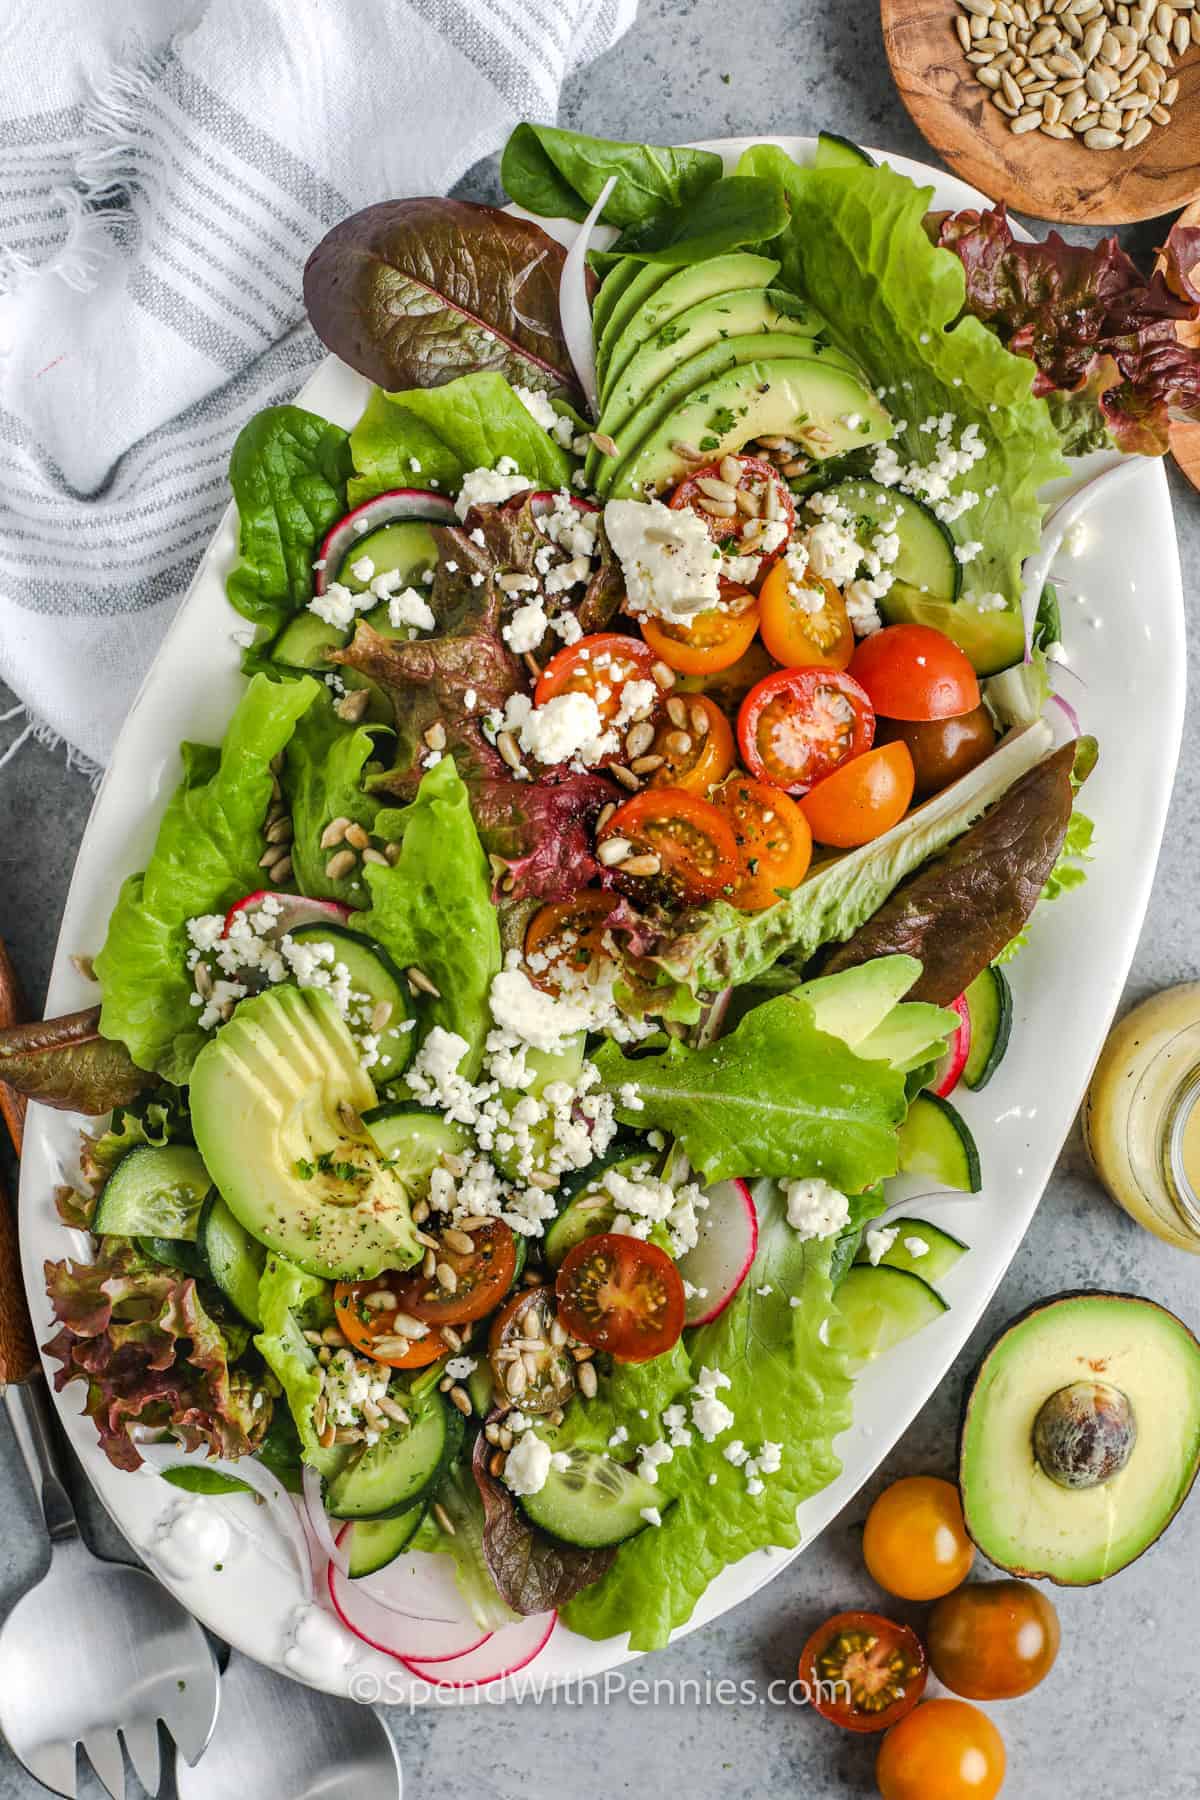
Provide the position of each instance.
(639, 784)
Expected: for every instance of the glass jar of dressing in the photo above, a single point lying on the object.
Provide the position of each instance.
(1141, 1118)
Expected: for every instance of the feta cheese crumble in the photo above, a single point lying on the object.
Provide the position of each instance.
(527, 1465)
(669, 561)
(815, 1209)
(482, 487)
(880, 1241)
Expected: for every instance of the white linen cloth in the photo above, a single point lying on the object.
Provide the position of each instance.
(165, 169)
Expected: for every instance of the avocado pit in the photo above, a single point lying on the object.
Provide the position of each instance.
(1084, 1434)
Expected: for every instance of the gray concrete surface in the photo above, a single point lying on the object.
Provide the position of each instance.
(1118, 1716)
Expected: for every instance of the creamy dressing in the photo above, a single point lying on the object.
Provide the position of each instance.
(193, 1537)
(316, 1647)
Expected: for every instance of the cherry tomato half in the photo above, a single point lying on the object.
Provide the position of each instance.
(481, 1278)
(799, 725)
(941, 749)
(773, 839)
(369, 1328)
(621, 1295)
(689, 840)
(993, 1640)
(945, 1750)
(915, 672)
(567, 935)
(915, 1543)
(710, 642)
(862, 799)
(862, 1671)
(599, 665)
(804, 623)
(547, 1379)
(761, 487)
(697, 754)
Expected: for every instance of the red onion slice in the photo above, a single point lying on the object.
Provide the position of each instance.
(1072, 717)
(318, 1520)
(397, 1633)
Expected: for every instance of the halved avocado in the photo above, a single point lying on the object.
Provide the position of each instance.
(828, 410)
(663, 301)
(1081, 1436)
(276, 1101)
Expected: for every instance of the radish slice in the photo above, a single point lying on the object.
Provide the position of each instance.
(575, 314)
(512, 1648)
(318, 1520)
(381, 509)
(959, 1048)
(719, 1263)
(167, 1454)
(418, 1585)
(396, 1633)
(544, 501)
(295, 909)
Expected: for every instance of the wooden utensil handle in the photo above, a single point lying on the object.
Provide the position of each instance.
(18, 1347)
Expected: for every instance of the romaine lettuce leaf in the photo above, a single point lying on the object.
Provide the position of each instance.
(204, 858)
(432, 437)
(559, 175)
(286, 1297)
(288, 473)
(323, 780)
(856, 246)
(787, 1387)
(433, 908)
(775, 1097)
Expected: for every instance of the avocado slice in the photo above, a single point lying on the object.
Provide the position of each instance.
(992, 641)
(644, 279)
(828, 410)
(1081, 1436)
(647, 305)
(274, 1099)
(851, 1010)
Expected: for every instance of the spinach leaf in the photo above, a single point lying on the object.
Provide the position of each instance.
(559, 175)
(775, 1097)
(288, 473)
(204, 858)
(414, 292)
(737, 212)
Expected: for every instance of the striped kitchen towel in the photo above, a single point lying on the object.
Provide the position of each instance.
(157, 204)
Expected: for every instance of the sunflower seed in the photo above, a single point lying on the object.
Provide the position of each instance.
(605, 814)
(1101, 138)
(639, 738)
(333, 833)
(586, 1377)
(515, 1379)
(339, 864)
(451, 1336)
(1096, 85)
(717, 509)
(612, 851)
(1110, 47)
(677, 711)
(541, 1178)
(604, 444)
(1052, 109)
(1180, 36)
(380, 1300)
(977, 28)
(1170, 93)
(420, 1212)
(445, 1522)
(1010, 90)
(334, 1337)
(280, 832)
(664, 676)
(1136, 133)
(1093, 37)
(460, 1398)
(351, 1118)
(748, 502)
(1161, 115)
(313, 1337)
(391, 1410)
(353, 705)
(391, 1345)
(678, 743)
(202, 978)
(984, 9)
(717, 489)
(1087, 122)
(269, 855)
(392, 854)
(1110, 118)
(647, 765)
(418, 979)
(688, 452)
(625, 776)
(1044, 38)
(698, 717)
(641, 865)
(1057, 131)
(506, 744)
(1027, 121)
(458, 1240)
(989, 77)
(347, 1434)
(558, 1334)
(1196, 28)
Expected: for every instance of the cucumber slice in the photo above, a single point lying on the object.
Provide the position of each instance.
(234, 1259)
(414, 1140)
(590, 1207)
(837, 152)
(375, 977)
(935, 1140)
(940, 1255)
(154, 1192)
(306, 642)
(174, 1253)
(386, 1478)
(992, 641)
(374, 1543)
(406, 548)
(926, 561)
(989, 1002)
(881, 1307)
(594, 1501)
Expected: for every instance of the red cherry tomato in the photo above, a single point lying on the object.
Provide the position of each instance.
(863, 1671)
(621, 1295)
(799, 725)
(689, 839)
(764, 488)
(599, 665)
(482, 1277)
(915, 672)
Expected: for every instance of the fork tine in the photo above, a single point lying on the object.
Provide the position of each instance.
(104, 1753)
(191, 1722)
(141, 1742)
(54, 1766)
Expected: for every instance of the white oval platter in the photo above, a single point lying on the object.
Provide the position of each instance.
(1126, 642)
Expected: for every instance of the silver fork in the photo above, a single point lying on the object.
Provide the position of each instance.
(95, 1648)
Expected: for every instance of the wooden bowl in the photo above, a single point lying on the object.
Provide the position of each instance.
(1051, 178)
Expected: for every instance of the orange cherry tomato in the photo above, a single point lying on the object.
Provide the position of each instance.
(993, 1640)
(799, 725)
(364, 1326)
(915, 1543)
(773, 838)
(915, 672)
(795, 633)
(567, 935)
(755, 478)
(693, 759)
(946, 1750)
(712, 640)
(862, 799)
(862, 1671)
(482, 1277)
(622, 1295)
(689, 838)
(599, 665)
